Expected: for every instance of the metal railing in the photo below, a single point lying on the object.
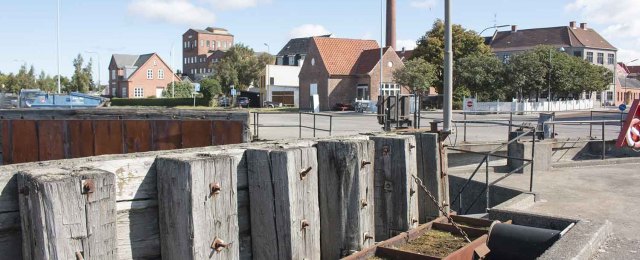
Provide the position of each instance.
(256, 123)
(602, 123)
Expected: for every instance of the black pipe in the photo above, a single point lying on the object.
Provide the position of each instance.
(519, 242)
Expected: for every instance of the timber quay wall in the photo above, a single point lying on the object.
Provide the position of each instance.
(299, 199)
(32, 135)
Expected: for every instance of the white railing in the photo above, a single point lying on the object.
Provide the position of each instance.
(554, 106)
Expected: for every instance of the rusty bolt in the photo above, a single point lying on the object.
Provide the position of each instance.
(364, 163)
(88, 186)
(413, 220)
(305, 172)
(411, 192)
(411, 147)
(367, 236)
(218, 244)
(24, 191)
(305, 224)
(364, 203)
(214, 188)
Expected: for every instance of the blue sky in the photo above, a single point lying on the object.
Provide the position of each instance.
(27, 27)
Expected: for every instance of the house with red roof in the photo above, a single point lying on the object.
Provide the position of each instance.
(338, 70)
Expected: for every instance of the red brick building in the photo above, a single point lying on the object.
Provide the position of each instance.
(201, 48)
(139, 76)
(345, 70)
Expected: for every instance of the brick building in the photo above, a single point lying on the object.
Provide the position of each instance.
(202, 48)
(139, 76)
(345, 70)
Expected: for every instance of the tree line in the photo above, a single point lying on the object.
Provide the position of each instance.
(478, 72)
(26, 78)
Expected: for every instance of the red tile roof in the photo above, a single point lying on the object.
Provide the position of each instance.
(634, 69)
(563, 36)
(341, 56)
(368, 60)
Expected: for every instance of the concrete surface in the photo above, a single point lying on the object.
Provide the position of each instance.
(593, 193)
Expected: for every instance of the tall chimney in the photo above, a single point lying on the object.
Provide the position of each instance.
(583, 26)
(391, 24)
(572, 24)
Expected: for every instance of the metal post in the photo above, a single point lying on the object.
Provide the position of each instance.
(299, 124)
(550, 69)
(604, 143)
(258, 125)
(591, 126)
(448, 69)
(465, 126)
(330, 125)
(487, 182)
(314, 125)
(510, 123)
(58, 44)
(533, 153)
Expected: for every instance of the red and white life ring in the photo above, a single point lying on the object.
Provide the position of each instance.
(633, 134)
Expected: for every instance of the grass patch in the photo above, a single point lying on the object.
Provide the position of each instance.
(435, 243)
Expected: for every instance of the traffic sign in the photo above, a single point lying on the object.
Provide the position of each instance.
(470, 103)
(622, 107)
(233, 92)
(196, 87)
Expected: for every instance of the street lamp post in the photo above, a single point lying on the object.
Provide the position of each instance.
(99, 66)
(448, 69)
(267, 79)
(561, 49)
(494, 27)
(58, 44)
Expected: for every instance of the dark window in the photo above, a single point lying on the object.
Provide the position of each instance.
(272, 81)
(590, 57)
(601, 58)
(609, 95)
(577, 54)
(506, 58)
(611, 59)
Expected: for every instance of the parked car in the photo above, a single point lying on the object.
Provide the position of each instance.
(271, 104)
(243, 101)
(224, 102)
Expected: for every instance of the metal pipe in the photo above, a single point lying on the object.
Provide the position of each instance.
(604, 143)
(331, 126)
(448, 68)
(258, 126)
(533, 152)
(58, 44)
(591, 126)
(314, 125)
(488, 205)
(465, 128)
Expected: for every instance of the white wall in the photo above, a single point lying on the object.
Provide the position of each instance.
(285, 79)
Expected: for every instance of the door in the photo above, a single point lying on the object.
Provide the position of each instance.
(314, 99)
(284, 97)
(159, 92)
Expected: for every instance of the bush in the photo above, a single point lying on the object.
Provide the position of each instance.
(158, 102)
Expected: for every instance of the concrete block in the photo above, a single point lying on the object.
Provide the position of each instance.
(542, 158)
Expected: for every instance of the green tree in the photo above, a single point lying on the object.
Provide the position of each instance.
(431, 47)
(182, 90)
(210, 89)
(81, 81)
(526, 74)
(240, 67)
(47, 83)
(482, 74)
(25, 79)
(417, 74)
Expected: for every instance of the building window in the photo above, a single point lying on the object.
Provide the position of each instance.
(600, 58)
(390, 89)
(201, 43)
(161, 74)
(124, 93)
(149, 74)
(208, 43)
(113, 74)
(611, 59)
(506, 58)
(155, 63)
(609, 95)
(138, 92)
(362, 92)
(185, 60)
(219, 45)
(590, 57)
(577, 54)
(185, 45)
(272, 81)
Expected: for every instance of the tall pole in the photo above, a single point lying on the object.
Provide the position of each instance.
(381, 51)
(173, 75)
(267, 79)
(550, 69)
(448, 69)
(58, 44)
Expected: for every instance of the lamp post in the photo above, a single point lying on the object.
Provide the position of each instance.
(173, 74)
(267, 80)
(99, 66)
(58, 44)
(561, 49)
(448, 69)
(494, 27)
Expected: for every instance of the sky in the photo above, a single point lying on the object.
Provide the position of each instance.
(106, 27)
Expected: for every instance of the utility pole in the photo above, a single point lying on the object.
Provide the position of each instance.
(58, 44)
(173, 75)
(448, 69)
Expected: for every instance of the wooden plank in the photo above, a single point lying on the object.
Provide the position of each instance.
(80, 138)
(346, 187)
(192, 218)
(396, 200)
(138, 231)
(8, 191)
(429, 170)
(138, 136)
(196, 133)
(108, 137)
(166, 135)
(135, 177)
(60, 222)
(51, 140)
(24, 141)
(6, 142)
(10, 235)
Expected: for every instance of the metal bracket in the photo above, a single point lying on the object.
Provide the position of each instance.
(214, 189)
(305, 172)
(364, 163)
(218, 245)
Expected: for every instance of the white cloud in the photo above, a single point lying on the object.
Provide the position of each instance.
(407, 44)
(172, 11)
(423, 4)
(308, 30)
(236, 4)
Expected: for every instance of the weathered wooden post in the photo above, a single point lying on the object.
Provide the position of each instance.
(345, 170)
(432, 170)
(68, 215)
(283, 190)
(396, 198)
(197, 203)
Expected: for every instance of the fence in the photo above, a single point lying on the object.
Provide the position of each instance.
(554, 106)
(248, 201)
(256, 123)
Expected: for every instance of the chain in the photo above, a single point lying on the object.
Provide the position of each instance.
(441, 208)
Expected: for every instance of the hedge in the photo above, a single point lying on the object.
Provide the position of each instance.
(157, 102)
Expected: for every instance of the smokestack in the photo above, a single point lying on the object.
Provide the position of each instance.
(391, 24)
(514, 28)
(572, 24)
(583, 26)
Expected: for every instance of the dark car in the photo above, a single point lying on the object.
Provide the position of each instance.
(243, 101)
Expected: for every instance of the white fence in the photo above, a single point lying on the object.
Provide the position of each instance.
(554, 106)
